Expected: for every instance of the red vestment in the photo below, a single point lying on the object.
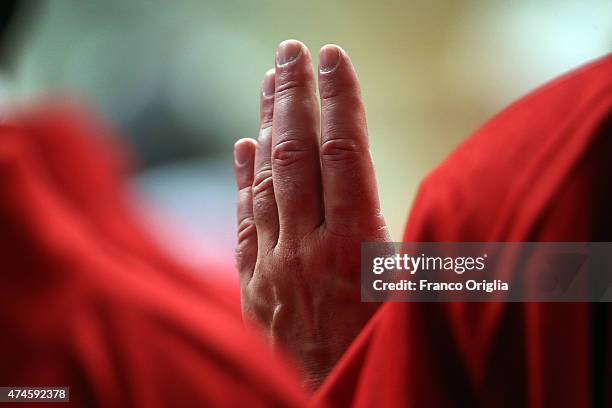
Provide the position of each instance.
(89, 302)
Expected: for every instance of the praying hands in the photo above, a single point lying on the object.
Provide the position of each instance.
(307, 200)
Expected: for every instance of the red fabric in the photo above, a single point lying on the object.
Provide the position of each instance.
(539, 171)
(88, 301)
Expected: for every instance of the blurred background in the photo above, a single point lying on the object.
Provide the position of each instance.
(180, 82)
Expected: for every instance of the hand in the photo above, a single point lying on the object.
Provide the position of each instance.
(307, 200)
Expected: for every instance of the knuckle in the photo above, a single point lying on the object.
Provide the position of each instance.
(258, 301)
(341, 151)
(290, 151)
(265, 122)
(263, 185)
(246, 230)
(291, 87)
(264, 202)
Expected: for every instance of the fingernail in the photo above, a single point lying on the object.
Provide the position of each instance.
(241, 153)
(288, 51)
(268, 83)
(329, 58)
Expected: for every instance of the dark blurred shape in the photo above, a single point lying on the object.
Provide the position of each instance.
(15, 16)
(8, 12)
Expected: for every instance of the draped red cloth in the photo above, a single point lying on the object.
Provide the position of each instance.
(88, 301)
(541, 170)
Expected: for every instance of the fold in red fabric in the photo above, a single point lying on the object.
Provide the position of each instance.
(539, 171)
(88, 301)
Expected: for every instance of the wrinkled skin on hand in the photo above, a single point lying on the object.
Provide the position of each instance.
(307, 200)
